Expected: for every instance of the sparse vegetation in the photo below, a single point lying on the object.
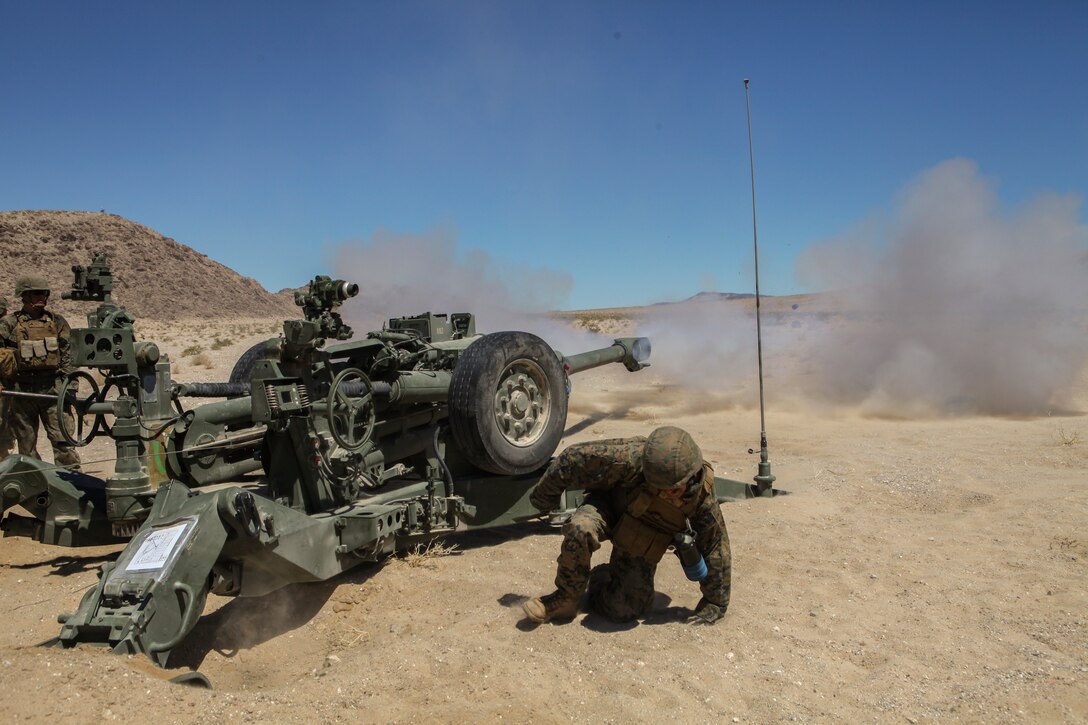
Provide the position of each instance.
(424, 554)
(590, 323)
(192, 350)
(349, 639)
(1068, 439)
(220, 343)
(204, 360)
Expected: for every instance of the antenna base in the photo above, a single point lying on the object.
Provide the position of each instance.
(764, 479)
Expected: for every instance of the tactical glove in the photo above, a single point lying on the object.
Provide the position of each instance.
(542, 503)
(706, 613)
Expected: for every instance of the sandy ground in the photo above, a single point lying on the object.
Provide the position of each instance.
(917, 571)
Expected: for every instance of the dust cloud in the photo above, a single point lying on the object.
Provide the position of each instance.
(402, 274)
(708, 346)
(946, 304)
(958, 307)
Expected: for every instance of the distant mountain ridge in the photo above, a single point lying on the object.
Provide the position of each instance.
(716, 296)
(155, 277)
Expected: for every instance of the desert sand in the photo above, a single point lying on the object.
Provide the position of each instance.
(916, 569)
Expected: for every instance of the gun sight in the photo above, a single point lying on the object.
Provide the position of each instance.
(326, 293)
(92, 283)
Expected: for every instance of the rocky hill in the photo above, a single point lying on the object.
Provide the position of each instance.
(154, 276)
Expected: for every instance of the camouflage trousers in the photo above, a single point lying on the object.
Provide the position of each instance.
(23, 417)
(622, 591)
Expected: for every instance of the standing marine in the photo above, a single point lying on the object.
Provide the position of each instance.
(40, 342)
(644, 494)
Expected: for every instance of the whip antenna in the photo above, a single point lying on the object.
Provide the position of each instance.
(764, 478)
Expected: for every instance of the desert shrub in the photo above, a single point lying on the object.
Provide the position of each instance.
(423, 554)
(1068, 439)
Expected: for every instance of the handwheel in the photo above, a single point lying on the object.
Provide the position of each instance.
(351, 417)
(80, 407)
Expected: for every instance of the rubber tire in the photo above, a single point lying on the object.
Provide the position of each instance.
(472, 403)
(243, 369)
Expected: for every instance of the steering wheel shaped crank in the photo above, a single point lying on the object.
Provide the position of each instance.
(351, 417)
(80, 406)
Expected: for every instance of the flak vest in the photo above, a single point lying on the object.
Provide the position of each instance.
(37, 348)
(649, 523)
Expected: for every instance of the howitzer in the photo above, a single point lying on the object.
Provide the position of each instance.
(422, 428)
(417, 430)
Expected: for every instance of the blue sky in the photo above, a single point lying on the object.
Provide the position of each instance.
(604, 140)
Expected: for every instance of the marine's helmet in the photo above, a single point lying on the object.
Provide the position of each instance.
(31, 283)
(670, 458)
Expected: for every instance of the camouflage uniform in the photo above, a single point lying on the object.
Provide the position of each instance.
(7, 441)
(23, 415)
(613, 476)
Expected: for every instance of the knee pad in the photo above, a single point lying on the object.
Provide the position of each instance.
(581, 534)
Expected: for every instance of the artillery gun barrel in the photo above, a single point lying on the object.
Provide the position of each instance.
(432, 386)
(631, 351)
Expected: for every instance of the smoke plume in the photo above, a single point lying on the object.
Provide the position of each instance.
(706, 345)
(947, 304)
(407, 274)
(961, 308)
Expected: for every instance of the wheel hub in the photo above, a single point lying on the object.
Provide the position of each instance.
(519, 402)
(521, 406)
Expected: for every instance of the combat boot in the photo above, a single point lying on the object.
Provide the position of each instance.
(550, 606)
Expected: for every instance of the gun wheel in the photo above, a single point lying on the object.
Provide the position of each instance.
(508, 402)
(243, 368)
